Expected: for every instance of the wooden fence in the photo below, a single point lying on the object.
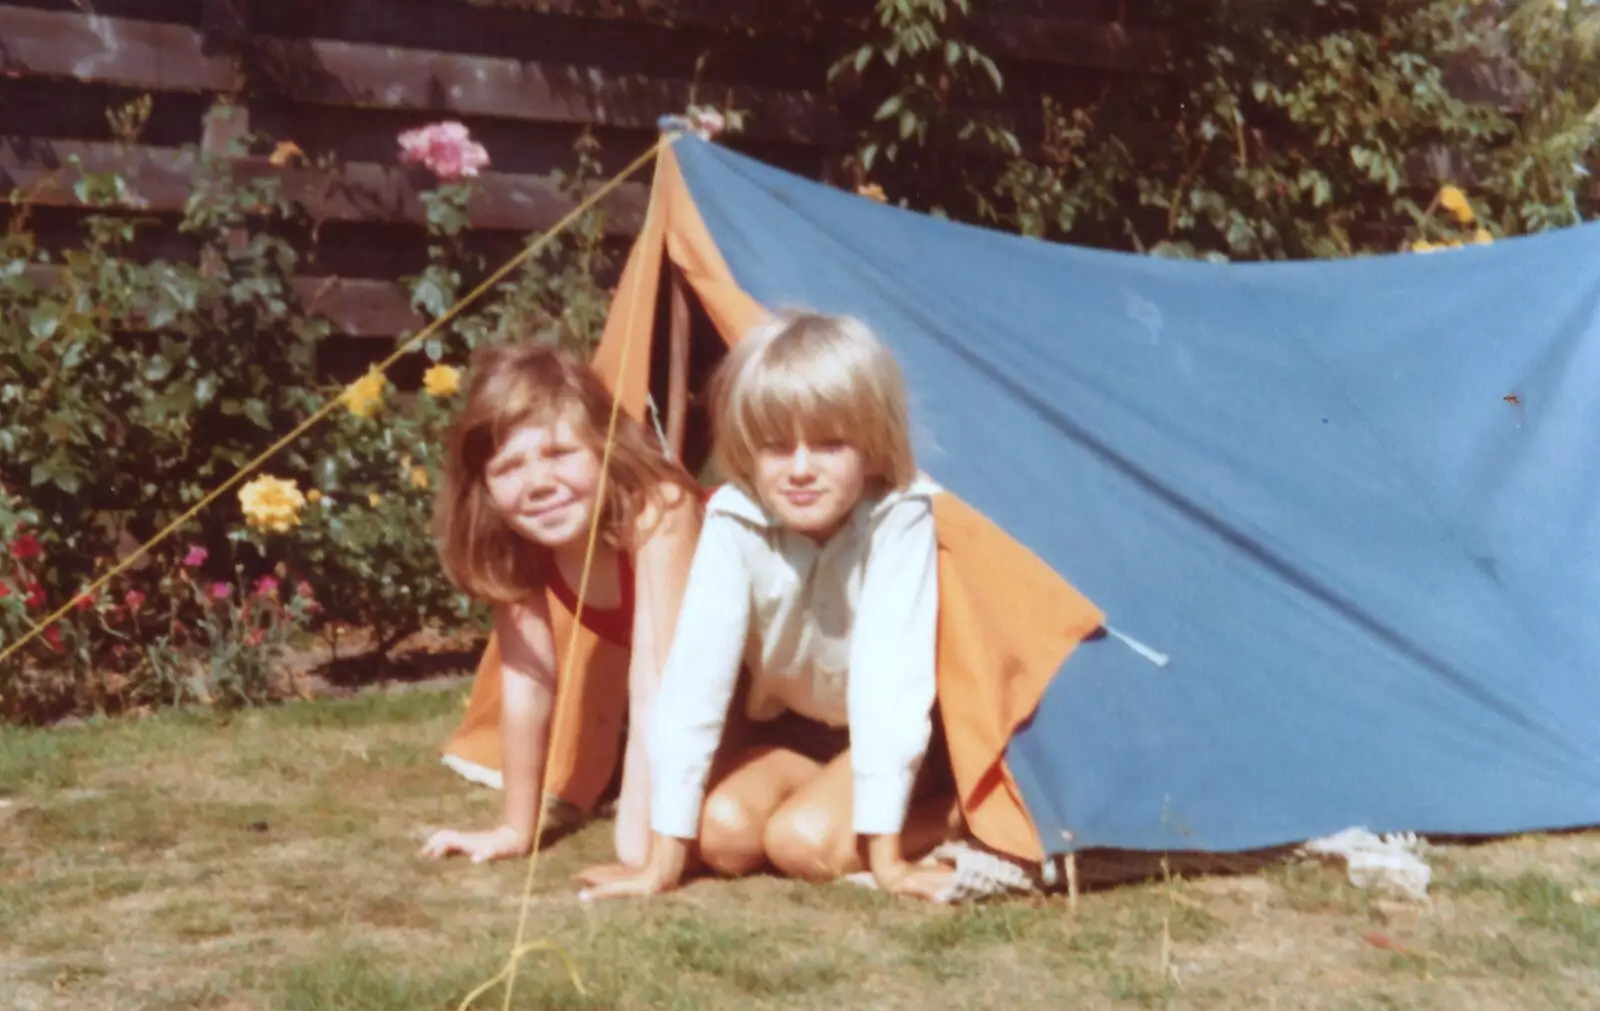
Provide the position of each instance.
(341, 78)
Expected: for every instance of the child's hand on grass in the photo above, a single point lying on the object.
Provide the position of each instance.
(480, 847)
(897, 877)
(662, 872)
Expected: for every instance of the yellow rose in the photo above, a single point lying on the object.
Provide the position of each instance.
(1423, 246)
(373, 499)
(365, 395)
(419, 477)
(1482, 237)
(442, 381)
(272, 504)
(872, 191)
(314, 495)
(1453, 200)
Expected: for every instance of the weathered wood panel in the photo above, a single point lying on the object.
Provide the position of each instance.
(342, 77)
(162, 179)
(169, 57)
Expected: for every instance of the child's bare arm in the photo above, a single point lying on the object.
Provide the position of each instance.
(528, 682)
(661, 573)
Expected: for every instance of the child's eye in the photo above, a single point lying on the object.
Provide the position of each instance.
(830, 445)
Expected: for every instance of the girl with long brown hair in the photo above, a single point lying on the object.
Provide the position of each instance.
(526, 477)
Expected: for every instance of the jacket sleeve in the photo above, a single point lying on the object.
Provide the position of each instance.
(698, 682)
(892, 655)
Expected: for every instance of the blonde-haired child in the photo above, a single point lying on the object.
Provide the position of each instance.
(817, 571)
(522, 486)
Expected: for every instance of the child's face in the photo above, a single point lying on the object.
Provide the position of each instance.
(811, 487)
(543, 481)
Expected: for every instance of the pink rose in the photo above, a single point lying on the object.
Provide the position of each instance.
(445, 149)
(134, 600)
(196, 557)
(221, 591)
(266, 586)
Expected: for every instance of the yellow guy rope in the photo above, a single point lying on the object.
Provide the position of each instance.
(531, 250)
(518, 947)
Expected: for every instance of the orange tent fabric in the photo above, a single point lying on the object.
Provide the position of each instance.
(586, 736)
(1007, 620)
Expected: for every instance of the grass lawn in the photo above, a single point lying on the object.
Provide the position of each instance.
(267, 861)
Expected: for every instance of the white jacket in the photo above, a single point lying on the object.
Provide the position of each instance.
(842, 632)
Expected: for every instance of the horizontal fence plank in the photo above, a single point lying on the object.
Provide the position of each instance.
(162, 179)
(92, 47)
(711, 53)
(343, 73)
(171, 57)
(187, 12)
(355, 308)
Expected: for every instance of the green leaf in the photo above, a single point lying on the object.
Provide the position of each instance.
(45, 319)
(908, 123)
(993, 70)
(890, 106)
(430, 296)
(157, 369)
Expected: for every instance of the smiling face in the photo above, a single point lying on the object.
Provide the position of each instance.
(811, 486)
(543, 481)
(810, 416)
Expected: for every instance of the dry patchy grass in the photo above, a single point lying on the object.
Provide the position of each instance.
(267, 862)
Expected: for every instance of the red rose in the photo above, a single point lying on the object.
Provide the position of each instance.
(25, 547)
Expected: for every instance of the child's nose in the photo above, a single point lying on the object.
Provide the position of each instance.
(801, 461)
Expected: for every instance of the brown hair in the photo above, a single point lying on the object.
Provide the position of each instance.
(511, 386)
(813, 376)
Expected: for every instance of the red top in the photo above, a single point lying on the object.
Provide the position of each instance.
(614, 625)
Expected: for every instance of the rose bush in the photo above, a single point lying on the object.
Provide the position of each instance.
(106, 439)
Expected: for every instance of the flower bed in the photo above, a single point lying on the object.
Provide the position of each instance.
(134, 388)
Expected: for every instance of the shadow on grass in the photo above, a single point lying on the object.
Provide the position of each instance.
(351, 673)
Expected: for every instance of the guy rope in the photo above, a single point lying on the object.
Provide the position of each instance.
(519, 947)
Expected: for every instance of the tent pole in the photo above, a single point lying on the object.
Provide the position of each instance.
(677, 363)
(1072, 880)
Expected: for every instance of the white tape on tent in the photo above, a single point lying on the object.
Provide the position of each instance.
(1156, 657)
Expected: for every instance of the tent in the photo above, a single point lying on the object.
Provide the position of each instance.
(1234, 555)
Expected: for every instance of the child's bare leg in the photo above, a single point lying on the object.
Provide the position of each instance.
(739, 805)
(812, 835)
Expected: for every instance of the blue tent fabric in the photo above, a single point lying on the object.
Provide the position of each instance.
(1356, 503)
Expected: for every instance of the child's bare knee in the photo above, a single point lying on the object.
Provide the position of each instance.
(730, 836)
(809, 843)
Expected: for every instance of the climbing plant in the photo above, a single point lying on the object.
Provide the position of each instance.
(1268, 130)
